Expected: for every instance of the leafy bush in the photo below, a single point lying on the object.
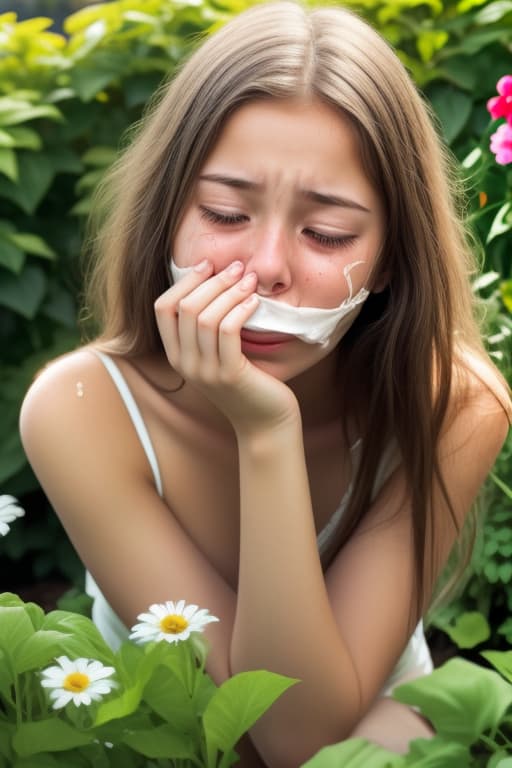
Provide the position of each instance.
(160, 707)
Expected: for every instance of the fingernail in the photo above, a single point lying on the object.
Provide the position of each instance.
(235, 267)
(202, 266)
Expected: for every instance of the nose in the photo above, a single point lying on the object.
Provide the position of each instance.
(269, 257)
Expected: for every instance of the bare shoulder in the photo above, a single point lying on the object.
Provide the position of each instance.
(476, 427)
(65, 387)
(480, 402)
(72, 406)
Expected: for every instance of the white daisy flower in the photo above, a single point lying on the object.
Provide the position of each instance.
(9, 511)
(80, 681)
(171, 622)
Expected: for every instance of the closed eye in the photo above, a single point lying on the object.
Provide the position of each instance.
(330, 241)
(222, 218)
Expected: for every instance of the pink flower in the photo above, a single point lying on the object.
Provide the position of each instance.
(501, 106)
(501, 144)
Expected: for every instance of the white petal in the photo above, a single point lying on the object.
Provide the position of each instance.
(189, 610)
(100, 673)
(6, 500)
(82, 665)
(148, 618)
(157, 610)
(144, 631)
(66, 664)
(168, 638)
(64, 698)
(100, 688)
(4, 529)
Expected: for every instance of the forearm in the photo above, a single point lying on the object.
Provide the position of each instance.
(283, 620)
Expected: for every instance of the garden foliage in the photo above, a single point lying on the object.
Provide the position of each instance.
(163, 711)
(66, 104)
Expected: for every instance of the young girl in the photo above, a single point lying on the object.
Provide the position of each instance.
(292, 432)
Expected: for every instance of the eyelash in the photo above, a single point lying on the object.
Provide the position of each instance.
(327, 241)
(222, 218)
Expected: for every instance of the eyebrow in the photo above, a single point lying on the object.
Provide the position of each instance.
(317, 197)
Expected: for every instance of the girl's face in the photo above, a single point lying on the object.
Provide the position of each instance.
(284, 191)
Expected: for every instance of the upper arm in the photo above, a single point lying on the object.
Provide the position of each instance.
(371, 581)
(92, 467)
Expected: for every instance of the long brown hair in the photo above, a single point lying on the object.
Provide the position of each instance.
(400, 355)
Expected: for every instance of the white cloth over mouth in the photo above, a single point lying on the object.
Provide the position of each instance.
(310, 324)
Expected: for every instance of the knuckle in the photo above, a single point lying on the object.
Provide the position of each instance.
(203, 321)
(186, 305)
(229, 326)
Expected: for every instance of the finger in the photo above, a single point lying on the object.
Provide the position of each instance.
(210, 319)
(230, 342)
(195, 303)
(166, 307)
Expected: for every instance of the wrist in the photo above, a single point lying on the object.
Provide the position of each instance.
(268, 438)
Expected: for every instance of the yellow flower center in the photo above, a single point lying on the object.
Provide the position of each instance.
(76, 682)
(173, 624)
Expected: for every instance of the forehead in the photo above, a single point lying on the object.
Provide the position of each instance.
(307, 141)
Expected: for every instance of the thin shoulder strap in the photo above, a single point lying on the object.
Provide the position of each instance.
(135, 415)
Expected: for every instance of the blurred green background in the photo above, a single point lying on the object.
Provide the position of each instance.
(73, 78)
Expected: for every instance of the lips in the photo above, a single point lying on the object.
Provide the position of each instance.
(264, 337)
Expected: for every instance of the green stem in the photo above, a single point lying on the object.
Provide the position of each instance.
(17, 697)
(489, 742)
(506, 740)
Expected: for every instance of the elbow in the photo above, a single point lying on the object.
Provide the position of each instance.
(291, 748)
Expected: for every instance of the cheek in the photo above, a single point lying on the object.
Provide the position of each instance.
(341, 278)
(193, 243)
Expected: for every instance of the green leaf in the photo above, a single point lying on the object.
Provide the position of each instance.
(453, 109)
(502, 661)
(437, 753)
(36, 172)
(506, 297)
(59, 306)
(88, 82)
(15, 627)
(237, 704)
(12, 455)
(470, 629)
(461, 699)
(429, 42)
(9, 163)
(23, 112)
(473, 157)
(500, 760)
(52, 735)
(493, 12)
(24, 138)
(11, 257)
(354, 753)
(83, 636)
(100, 156)
(23, 293)
(33, 244)
(502, 222)
(485, 280)
(6, 140)
(39, 650)
(160, 741)
(168, 697)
